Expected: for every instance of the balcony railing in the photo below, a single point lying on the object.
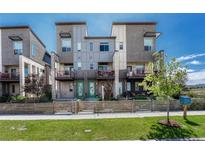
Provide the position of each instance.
(65, 75)
(9, 77)
(106, 74)
(136, 74)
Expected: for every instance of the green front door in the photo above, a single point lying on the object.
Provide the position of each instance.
(91, 89)
(80, 89)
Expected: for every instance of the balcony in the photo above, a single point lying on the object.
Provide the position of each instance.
(65, 75)
(9, 77)
(106, 75)
(136, 74)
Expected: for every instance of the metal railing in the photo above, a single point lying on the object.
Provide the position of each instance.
(108, 74)
(9, 76)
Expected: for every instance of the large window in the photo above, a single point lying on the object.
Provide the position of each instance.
(148, 43)
(34, 50)
(66, 44)
(18, 47)
(104, 46)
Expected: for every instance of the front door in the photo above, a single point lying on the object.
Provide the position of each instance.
(67, 90)
(91, 89)
(80, 89)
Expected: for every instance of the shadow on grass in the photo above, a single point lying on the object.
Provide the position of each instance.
(165, 132)
(192, 123)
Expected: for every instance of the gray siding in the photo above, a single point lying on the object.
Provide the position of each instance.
(64, 57)
(135, 42)
(7, 45)
(40, 49)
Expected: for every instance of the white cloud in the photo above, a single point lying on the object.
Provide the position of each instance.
(195, 62)
(190, 71)
(188, 57)
(196, 77)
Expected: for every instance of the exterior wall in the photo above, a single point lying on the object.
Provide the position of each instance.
(135, 42)
(17, 89)
(86, 57)
(120, 32)
(7, 45)
(64, 57)
(40, 49)
(116, 66)
(22, 61)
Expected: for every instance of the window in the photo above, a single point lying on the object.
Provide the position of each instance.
(129, 68)
(121, 46)
(104, 46)
(66, 44)
(13, 71)
(13, 88)
(91, 46)
(79, 65)
(128, 86)
(140, 69)
(26, 71)
(91, 66)
(34, 50)
(18, 47)
(103, 67)
(148, 44)
(78, 46)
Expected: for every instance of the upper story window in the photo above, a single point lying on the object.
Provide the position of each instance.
(148, 44)
(66, 44)
(140, 69)
(121, 46)
(91, 66)
(91, 46)
(104, 46)
(34, 50)
(79, 46)
(79, 65)
(65, 41)
(18, 47)
(103, 67)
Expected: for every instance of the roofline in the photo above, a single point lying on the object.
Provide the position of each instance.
(24, 27)
(71, 23)
(100, 37)
(134, 23)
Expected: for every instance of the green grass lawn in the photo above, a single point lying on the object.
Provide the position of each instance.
(101, 129)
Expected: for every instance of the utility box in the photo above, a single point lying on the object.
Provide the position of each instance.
(185, 100)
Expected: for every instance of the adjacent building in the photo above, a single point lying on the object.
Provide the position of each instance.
(21, 53)
(86, 66)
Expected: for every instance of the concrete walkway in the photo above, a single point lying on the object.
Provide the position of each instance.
(95, 116)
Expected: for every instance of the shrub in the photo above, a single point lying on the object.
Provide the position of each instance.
(18, 98)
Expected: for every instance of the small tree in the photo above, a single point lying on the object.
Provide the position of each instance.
(167, 82)
(35, 84)
(108, 86)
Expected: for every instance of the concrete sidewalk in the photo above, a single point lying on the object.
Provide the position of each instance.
(96, 116)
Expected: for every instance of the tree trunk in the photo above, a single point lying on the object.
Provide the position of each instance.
(168, 107)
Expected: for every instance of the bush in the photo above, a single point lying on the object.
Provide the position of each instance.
(18, 98)
(4, 99)
(140, 97)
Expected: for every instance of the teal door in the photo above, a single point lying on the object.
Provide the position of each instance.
(91, 89)
(80, 89)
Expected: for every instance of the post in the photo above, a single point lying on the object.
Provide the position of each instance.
(185, 112)
(103, 93)
(168, 111)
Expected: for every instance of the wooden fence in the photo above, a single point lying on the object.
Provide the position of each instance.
(94, 107)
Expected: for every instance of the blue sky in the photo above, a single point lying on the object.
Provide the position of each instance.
(183, 35)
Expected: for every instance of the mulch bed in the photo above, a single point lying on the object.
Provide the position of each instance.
(170, 123)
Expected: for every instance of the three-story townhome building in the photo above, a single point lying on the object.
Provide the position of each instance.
(82, 63)
(136, 50)
(21, 53)
(86, 66)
